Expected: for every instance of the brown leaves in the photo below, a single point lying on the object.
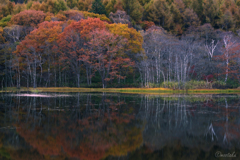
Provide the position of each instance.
(107, 55)
(29, 18)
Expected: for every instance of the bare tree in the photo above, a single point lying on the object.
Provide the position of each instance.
(228, 44)
(210, 49)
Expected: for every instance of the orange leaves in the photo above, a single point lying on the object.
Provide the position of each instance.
(96, 135)
(76, 30)
(108, 54)
(46, 145)
(39, 43)
(28, 18)
(146, 24)
(60, 17)
(46, 33)
(73, 40)
(100, 47)
(88, 43)
(73, 15)
(2, 40)
(50, 30)
(85, 27)
(92, 24)
(134, 38)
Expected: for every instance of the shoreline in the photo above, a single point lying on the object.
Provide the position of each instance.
(123, 90)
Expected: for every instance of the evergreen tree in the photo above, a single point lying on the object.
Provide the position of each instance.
(159, 13)
(211, 12)
(110, 6)
(98, 7)
(197, 7)
(133, 9)
(72, 3)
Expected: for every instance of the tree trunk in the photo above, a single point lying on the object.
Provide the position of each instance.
(78, 80)
(19, 78)
(2, 83)
(227, 62)
(35, 74)
(5, 64)
(55, 76)
(156, 69)
(87, 72)
(59, 76)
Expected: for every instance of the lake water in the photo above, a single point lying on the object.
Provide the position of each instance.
(111, 126)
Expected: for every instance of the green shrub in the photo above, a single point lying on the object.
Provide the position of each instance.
(93, 15)
(187, 85)
(172, 85)
(232, 83)
(29, 4)
(153, 85)
(4, 21)
(3, 24)
(197, 85)
(219, 85)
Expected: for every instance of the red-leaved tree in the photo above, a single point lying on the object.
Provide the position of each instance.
(72, 44)
(37, 49)
(107, 56)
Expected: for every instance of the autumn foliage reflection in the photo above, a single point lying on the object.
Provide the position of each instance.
(95, 134)
(100, 125)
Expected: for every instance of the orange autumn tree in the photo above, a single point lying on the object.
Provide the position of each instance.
(28, 18)
(48, 32)
(133, 46)
(73, 15)
(106, 50)
(133, 37)
(72, 43)
(38, 48)
(89, 44)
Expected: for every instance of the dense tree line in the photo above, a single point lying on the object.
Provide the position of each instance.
(173, 15)
(118, 43)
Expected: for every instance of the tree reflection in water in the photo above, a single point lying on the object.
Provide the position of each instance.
(109, 126)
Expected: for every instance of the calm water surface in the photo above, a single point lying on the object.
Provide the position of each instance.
(94, 126)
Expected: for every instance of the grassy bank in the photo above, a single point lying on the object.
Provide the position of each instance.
(124, 90)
